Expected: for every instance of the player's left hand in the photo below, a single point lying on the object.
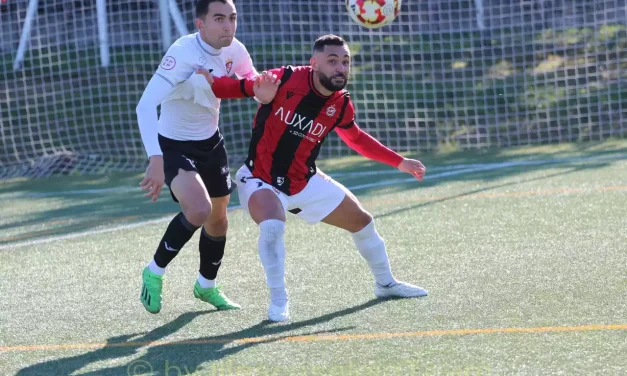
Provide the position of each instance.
(413, 167)
(265, 87)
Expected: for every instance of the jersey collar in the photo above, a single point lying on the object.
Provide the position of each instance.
(207, 48)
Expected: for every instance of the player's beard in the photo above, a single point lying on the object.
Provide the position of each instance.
(327, 82)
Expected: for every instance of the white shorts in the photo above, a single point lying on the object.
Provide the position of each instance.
(314, 203)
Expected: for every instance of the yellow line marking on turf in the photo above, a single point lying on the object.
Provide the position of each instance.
(319, 338)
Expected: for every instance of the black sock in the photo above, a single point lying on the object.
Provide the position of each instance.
(178, 233)
(211, 252)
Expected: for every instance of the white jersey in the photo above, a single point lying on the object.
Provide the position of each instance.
(189, 109)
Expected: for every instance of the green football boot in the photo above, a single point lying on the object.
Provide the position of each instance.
(151, 291)
(215, 297)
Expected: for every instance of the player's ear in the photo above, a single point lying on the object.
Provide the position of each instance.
(313, 63)
(199, 24)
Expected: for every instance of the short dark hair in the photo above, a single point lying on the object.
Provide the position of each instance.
(327, 40)
(202, 7)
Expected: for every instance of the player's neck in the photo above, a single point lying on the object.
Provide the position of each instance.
(206, 45)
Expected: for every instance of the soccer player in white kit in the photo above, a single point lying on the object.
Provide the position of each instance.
(186, 149)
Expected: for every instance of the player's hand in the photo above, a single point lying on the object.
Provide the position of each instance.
(153, 181)
(205, 73)
(413, 167)
(266, 86)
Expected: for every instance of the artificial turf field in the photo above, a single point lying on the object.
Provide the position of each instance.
(523, 251)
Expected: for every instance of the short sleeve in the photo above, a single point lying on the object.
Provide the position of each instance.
(174, 68)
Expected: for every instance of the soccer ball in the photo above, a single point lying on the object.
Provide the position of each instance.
(373, 14)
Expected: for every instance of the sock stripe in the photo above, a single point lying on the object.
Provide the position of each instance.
(186, 223)
(205, 234)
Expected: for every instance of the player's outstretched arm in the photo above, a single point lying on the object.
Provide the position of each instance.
(371, 148)
(264, 86)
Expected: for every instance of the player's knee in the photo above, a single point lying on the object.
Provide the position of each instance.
(198, 213)
(264, 205)
(217, 226)
(362, 220)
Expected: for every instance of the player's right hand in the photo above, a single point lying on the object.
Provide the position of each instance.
(265, 87)
(154, 179)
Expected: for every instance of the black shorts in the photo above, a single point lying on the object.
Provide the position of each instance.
(207, 157)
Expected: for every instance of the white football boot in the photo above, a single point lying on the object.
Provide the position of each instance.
(279, 313)
(399, 290)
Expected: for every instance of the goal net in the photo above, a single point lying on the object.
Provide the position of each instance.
(469, 73)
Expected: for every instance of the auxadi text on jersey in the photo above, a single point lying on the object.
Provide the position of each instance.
(301, 126)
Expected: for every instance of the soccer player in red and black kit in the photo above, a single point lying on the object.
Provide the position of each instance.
(280, 173)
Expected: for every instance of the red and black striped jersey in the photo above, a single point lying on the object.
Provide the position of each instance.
(289, 131)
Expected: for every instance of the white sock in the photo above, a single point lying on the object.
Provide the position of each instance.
(153, 267)
(206, 283)
(278, 296)
(372, 249)
(272, 255)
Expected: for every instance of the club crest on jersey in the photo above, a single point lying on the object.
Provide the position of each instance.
(331, 110)
(280, 180)
(228, 66)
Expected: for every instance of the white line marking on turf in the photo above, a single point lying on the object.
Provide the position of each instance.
(94, 232)
(481, 165)
(456, 171)
(164, 219)
(73, 192)
(445, 168)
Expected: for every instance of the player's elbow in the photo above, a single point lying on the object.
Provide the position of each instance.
(143, 106)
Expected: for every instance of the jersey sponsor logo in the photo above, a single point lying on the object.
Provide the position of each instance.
(331, 110)
(224, 170)
(301, 125)
(280, 180)
(168, 63)
(228, 66)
